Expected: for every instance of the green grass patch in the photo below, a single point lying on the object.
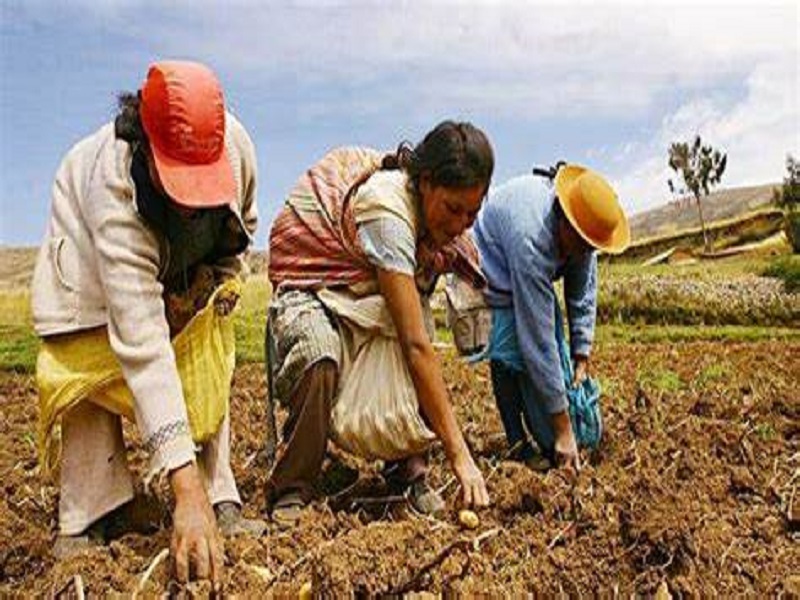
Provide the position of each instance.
(15, 307)
(610, 388)
(659, 379)
(251, 320)
(656, 334)
(19, 346)
(786, 268)
(723, 268)
(444, 335)
(765, 432)
(712, 373)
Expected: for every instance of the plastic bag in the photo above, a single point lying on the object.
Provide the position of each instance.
(468, 316)
(81, 366)
(376, 414)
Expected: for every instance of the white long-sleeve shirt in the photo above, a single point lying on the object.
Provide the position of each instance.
(101, 264)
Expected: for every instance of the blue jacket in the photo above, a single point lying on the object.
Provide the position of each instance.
(517, 235)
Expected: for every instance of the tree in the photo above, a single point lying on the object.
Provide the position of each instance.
(701, 168)
(788, 198)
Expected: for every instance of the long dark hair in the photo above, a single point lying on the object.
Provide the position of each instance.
(453, 155)
(128, 124)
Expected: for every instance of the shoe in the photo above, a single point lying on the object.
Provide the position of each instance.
(231, 522)
(425, 499)
(287, 509)
(539, 463)
(67, 546)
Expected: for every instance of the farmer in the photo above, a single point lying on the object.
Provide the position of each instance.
(137, 208)
(528, 238)
(361, 226)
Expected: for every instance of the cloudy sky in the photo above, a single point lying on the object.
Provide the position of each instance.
(608, 85)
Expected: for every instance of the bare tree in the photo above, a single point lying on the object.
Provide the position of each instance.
(701, 168)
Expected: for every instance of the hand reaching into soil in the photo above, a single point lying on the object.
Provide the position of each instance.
(473, 486)
(566, 447)
(196, 546)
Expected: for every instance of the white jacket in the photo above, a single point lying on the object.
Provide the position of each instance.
(100, 265)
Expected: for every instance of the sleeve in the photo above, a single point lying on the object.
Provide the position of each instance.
(534, 311)
(580, 294)
(232, 266)
(389, 244)
(127, 255)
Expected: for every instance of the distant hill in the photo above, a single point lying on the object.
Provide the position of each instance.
(16, 265)
(719, 205)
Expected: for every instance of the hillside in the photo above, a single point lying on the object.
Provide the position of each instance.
(16, 267)
(16, 264)
(678, 216)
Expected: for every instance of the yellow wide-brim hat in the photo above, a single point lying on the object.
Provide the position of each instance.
(592, 208)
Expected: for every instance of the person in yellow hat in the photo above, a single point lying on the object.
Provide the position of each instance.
(531, 233)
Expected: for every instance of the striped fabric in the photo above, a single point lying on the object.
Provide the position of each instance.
(314, 241)
(303, 333)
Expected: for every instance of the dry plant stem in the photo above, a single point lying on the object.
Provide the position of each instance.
(678, 425)
(344, 492)
(378, 500)
(249, 460)
(450, 480)
(560, 535)
(726, 553)
(77, 583)
(299, 562)
(149, 571)
(661, 568)
(461, 543)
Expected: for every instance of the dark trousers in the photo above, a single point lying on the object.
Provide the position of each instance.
(305, 433)
(517, 403)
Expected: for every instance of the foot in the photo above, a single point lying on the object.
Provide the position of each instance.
(67, 546)
(539, 463)
(231, 522)
(287, 509)
(425, 499)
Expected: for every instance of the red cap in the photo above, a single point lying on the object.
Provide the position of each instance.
(183, 114)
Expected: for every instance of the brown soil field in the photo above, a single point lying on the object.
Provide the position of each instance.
(694, 491)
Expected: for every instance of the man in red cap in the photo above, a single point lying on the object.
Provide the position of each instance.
(137, 208)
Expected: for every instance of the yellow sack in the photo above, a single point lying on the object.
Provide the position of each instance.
(73, 368)
(376, 414)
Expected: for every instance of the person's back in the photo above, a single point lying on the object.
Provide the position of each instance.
(516, 230)
(529, 235)
(140, 208)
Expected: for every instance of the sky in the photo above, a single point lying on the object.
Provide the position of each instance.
(606, 85)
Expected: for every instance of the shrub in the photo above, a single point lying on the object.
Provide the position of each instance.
(786, 268)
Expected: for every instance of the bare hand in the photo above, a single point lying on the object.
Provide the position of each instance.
(473, 486)
(225, 302)
(196, 546)
(581, 370)
(566, 447)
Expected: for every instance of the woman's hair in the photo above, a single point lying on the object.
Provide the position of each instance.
(453, 155)
(128, 124)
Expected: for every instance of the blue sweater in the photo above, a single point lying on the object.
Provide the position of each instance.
(517, 235)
